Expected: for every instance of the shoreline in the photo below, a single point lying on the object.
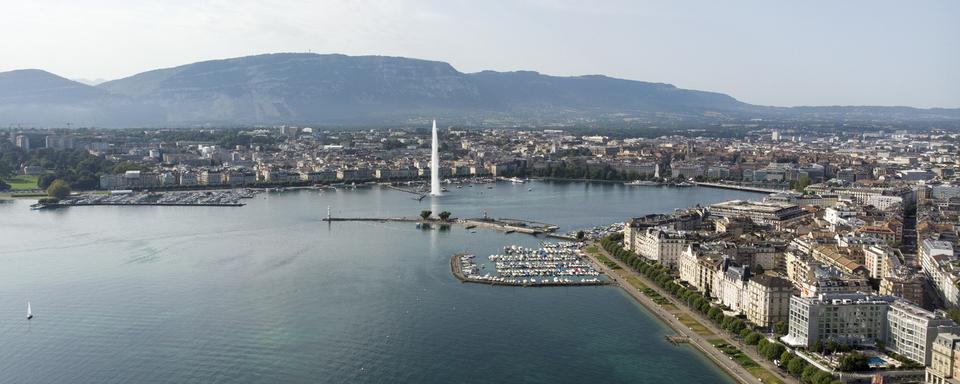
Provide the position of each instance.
(712, 354)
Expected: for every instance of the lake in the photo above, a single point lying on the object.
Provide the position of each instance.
(269, 293)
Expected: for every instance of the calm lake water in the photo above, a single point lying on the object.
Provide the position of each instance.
(267, 293)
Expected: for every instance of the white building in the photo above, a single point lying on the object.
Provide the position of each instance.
(778, 215)
(911, 330)
(849, 318)
(940, 266)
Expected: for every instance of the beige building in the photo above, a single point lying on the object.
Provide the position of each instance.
(697, 266)
(768, 300)
(904, 283)
(944, 360)
(661, 245)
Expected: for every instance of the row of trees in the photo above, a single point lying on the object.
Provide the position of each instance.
(444, 216)
(770, 350)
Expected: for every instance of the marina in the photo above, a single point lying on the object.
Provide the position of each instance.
(554, 264)
(219, 198)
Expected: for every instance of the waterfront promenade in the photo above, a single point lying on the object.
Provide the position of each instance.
(705, 330)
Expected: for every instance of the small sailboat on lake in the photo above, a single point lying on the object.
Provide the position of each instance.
(29, 312)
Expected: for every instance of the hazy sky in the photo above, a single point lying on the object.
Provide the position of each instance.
(762, 52)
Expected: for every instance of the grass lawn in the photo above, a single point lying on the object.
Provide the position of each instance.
(746, 362)
(694, 325)
(609, 263)
(632, 280)
(21, 182)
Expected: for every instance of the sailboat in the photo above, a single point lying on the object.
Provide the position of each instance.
(29, 312)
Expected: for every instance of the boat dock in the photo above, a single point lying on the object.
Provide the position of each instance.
(228, 198)
(556, 264)
(677, 339)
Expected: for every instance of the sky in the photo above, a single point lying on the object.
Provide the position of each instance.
(762, 52)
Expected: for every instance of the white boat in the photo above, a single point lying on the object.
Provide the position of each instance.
(641, 183)
(29, 312)
(516, 180)
(683, 184)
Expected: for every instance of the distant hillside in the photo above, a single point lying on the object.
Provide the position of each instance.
(36, 97)
(357, 90)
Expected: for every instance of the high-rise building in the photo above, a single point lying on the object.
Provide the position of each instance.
(23, 142)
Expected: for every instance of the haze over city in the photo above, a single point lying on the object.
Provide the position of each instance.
(805, 53)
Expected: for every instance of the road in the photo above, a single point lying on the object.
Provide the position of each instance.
(700, 342)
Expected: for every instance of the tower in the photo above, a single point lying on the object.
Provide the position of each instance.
(435, 163)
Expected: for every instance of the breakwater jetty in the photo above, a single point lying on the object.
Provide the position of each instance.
(511, 225)
(503, 225)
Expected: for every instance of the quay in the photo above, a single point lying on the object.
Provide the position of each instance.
(378, 219)
(739, 187)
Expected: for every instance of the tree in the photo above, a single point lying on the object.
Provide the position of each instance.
(444, 215)
(753, 338)
(715, 314)
(781, 328)
(853, 361)
(425, 214)
(758, 269)
(770, 350)
(822, 377)
(808, 374)
(785, 358)
(4, 186)
(802, 183)
(796, 366)
(817, 346)
(59, 189)
(580, 235)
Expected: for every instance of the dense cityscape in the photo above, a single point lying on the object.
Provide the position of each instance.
(435, 192)
(849, 261)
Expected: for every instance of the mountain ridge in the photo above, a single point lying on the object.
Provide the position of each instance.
(336, 89)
